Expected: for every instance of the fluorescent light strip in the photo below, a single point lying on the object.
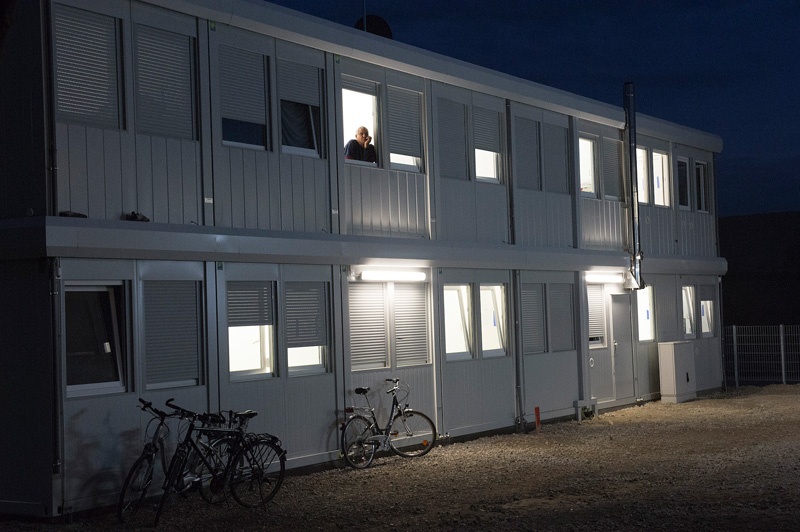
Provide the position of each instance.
(392, 275)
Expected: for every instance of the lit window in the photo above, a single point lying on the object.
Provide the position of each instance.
(487, 136)
(306, 317)
(94, 351)
(457, 322)
(586, 148)
(707, 318)
(359, 109)
(661, 179)
(251, 327)
(642, 175)
(688, 311)
(405, 129)
(644, 305)
(597, 315)
(493, 316)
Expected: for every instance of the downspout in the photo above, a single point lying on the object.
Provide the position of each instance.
(630, 132)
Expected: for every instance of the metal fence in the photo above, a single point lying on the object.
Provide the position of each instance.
(759, 355)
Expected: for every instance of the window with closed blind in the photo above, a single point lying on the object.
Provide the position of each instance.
(173, 334)
(532, 320)
(244, 96)
(165, 83)
(405, 129)
(88, 73)
(389, 325)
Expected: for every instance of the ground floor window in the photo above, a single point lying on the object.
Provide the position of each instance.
(644, 310)
(251, 327)
(475, 307)
(307, 338)
(707, 318)
(94, 329)
(687, 296)
(458, 321)
(597, 315)
(389, 324)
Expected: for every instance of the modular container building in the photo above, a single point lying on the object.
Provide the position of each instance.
(179, 221)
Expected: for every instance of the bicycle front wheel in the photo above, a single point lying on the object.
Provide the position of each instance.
(174, 474)
(134, 490)
(412, 434)
(213, 487)
(357, 451)
(258, 473)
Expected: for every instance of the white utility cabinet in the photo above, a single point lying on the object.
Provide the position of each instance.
(676, 368)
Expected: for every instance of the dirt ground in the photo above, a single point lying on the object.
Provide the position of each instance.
(729, 461)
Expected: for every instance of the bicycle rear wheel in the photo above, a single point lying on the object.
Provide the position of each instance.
(258, 472)
(134, 490)
(412, 434)
(357, 451)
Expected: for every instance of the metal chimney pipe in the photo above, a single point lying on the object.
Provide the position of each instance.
(630, 132)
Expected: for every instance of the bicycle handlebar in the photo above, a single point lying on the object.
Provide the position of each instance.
(182, 412)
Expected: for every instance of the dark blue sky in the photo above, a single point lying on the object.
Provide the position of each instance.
(728, 67)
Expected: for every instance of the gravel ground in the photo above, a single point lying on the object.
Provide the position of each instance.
(724, 462)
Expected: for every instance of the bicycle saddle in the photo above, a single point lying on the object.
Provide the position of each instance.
(362, 391)
(247, 414)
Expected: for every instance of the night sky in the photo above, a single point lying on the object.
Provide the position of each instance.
(728, 67)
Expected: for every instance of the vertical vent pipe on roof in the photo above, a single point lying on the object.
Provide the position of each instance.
(630, 132)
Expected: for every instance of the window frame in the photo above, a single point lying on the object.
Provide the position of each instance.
(707, 318)
(243, 91)
(702, 199)
(588, 164)
(497, 303)
(267, 330)
(645, 311)
(598, 324)
(300, 80)
(117, 320)
(664, 199)
(643, 175)
(465, 313)
(688, 313)
(684, 184)
(322, 317)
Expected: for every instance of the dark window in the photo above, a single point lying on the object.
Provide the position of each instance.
(94, 319)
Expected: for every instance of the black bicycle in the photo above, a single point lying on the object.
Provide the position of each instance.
(253, 469)
(407, 433)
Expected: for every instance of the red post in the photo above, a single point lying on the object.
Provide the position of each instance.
(538, 420)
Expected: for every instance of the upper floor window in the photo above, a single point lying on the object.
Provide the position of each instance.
(95, 326)
(300, 95)
(487, 131)
(470, 135)
(642, 176)
(360, 114)
(683, 184)
(701, 187)
(244, 96)
(661, 186)
(88, 77)
(587, 149)
(165, 83)
(601, 171)
(527, 153)
(405, 129)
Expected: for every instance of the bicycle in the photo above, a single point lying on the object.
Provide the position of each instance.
(140, 477)
(253, 471)
(408, 433)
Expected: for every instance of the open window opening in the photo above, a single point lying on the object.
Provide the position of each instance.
(94, 330)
